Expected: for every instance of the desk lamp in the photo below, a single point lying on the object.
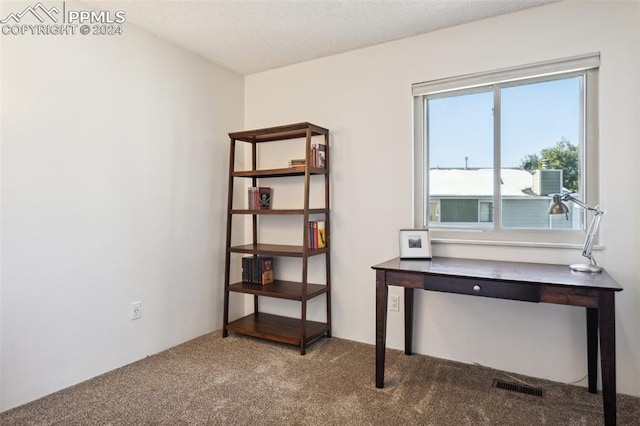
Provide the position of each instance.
(558, 207)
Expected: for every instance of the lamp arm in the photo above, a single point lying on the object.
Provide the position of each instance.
(596, 209)
(591, 236)
(593, 226)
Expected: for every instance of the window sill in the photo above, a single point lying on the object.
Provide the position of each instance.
(569, 246)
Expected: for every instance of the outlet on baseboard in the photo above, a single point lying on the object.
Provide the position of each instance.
(136, 310)
(394, 303)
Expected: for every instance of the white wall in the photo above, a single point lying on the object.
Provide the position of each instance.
(364, 98)
(114, 178)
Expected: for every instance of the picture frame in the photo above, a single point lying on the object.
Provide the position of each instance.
(415, 243)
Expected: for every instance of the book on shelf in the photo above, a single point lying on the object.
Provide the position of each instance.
(264, 200)
(298, 162)
(257, 270)
(322, 234)
(321, 156)
(317, 234)
(264, 275)
(318, 156)
(311, 242)
(259, 198)
(252, 197)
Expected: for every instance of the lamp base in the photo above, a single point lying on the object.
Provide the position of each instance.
(583, 267)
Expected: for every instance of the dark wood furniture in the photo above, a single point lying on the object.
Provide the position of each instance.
(530, 282)
(295, 331)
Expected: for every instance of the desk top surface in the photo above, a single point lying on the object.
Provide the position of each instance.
(534, 273)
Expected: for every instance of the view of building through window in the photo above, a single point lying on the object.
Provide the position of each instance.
(538, 134)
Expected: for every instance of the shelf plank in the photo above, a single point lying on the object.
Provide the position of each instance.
(277, 328)
(290, 131)
(276, 250)
(279, 211)
(289, 171)
(280, 289)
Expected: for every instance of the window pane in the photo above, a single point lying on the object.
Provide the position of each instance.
(486, 211)
(460, 157)
(540, 140)
(454, 210)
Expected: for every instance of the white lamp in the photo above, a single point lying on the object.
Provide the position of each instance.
(558, 207)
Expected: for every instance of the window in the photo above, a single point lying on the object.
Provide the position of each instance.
(491, 149)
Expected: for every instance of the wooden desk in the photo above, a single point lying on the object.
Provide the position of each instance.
(531, 282)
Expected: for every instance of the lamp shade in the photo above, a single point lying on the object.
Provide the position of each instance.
(558, 207)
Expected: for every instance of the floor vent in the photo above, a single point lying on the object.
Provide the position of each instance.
(527, 390)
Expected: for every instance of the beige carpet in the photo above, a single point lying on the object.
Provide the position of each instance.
(244, 381)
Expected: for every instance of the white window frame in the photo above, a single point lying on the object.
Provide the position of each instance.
(585, 65)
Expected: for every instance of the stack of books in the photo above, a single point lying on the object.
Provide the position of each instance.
(317, 234)
(259, 198)
(317, 158)
(257, 270)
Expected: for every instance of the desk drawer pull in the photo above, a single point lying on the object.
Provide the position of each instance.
(476, 288)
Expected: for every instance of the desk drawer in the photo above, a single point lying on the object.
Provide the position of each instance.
(476, 287)
(404, 279)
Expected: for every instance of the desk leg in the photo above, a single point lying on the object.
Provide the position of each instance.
(607, 323)
(381, 325)
(592, 349)
(408, 320)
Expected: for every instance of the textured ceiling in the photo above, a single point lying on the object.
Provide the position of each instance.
(253, 36)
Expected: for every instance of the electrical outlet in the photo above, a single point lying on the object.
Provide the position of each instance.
(394, 303)
(136, 310)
